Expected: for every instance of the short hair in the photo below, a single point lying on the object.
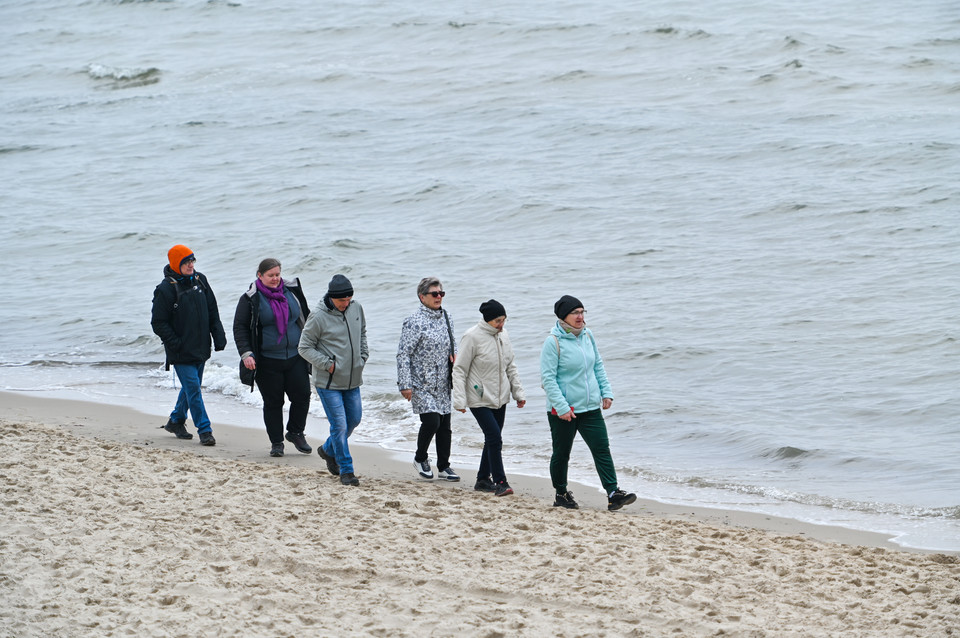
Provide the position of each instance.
(426, 284)
(267, 264)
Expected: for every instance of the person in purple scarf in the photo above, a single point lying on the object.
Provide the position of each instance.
(266, 328)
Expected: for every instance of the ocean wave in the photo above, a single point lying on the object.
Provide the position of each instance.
(124, 78)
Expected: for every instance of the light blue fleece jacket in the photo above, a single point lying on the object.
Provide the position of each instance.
(574, 377)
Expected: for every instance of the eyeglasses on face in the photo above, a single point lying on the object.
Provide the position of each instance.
(437, 293)
(578, 313)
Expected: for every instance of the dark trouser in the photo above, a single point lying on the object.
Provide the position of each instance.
(593, 429)
(491, 460)
(434, 424)
(276, 377)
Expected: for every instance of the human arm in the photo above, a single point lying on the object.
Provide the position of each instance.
(606, 391)
(461, 367)
(409, 340)
(311, 344)
(242, 333)
(549, 363)
(213, 314)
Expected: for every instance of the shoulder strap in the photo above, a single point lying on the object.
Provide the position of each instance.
(558, 344)
(449, 329)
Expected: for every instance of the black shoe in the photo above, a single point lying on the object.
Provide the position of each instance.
(618, 499)
(206, 438)
(332, 466)
(276, 449)
(349, 479)
(485, 485)
(299, 442)
(503, 489)
(566, 500)
(178, 429)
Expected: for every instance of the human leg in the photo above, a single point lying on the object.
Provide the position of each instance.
(429, 424)
(191, 378)
(491, 459)
(336, 444)
(296, 383)
(270, 377)
(444, 439)
(562, 434)
(593, 429)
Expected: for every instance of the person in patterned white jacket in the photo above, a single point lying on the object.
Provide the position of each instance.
(425, 359)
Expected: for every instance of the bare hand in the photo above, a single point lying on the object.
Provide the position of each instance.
(407, 394)
(569, 416)
(250, 363)
(453, 358)
(520, 404)
(607, 403)
(332, 366)
(462, 410)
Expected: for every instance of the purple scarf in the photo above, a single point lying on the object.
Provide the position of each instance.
(278, 303)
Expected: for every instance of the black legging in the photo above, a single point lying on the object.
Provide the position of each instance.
(275, 378)
(434, 424)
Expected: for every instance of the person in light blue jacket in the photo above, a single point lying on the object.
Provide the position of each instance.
(577, 388)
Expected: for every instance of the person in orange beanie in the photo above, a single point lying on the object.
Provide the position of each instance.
(186, 318)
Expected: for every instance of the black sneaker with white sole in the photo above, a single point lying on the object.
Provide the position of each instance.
(618, 499)
(448, 475)
(423, 468)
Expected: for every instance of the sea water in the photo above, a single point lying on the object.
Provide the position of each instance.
(757, 204)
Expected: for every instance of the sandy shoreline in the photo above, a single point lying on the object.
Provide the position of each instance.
(114, 527)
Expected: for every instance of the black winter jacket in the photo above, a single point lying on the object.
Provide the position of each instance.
(185, 317)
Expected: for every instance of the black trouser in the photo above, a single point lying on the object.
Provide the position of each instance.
(491, 460)
(276, 377)
(434, 424)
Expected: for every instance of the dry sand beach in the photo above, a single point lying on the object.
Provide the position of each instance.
(112, 527)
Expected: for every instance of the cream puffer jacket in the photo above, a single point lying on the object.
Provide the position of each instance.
(484, 374)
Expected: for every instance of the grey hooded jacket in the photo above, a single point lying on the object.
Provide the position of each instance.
(336, 338)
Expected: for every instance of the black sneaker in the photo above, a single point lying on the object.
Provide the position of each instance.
(178, 429)
(299, 442)
(618, 499)
(206, 438)
(332, 466)
(566, 500)
(349, 479)
(503, 489)
(277, 449)
(423, 468)
(485, 485)
(448, 475)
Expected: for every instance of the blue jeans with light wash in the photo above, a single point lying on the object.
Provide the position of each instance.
(191, 376)
(344, 412)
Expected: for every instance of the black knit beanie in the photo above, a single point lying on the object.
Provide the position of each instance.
(492, 309)
(565, 305)
(339, 287)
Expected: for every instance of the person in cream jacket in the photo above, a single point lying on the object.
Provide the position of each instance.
(484, 377)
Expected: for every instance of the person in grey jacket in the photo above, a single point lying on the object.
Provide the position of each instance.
(334, 341)
(484, 376)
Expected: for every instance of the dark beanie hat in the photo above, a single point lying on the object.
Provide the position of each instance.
(492, 309)
(339, 287)
(565, 305)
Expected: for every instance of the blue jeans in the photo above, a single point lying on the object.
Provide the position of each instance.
(344, 412)
(191, 376)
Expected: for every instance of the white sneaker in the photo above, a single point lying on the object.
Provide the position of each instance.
(448, 474)
(423, 469)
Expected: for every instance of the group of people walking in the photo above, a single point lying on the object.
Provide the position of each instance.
(285, 347)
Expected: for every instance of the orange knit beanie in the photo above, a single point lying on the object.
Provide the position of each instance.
(177, 255)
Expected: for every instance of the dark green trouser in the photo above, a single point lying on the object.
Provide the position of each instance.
(592, 428)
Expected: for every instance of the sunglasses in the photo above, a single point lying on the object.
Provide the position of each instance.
(437, 293)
